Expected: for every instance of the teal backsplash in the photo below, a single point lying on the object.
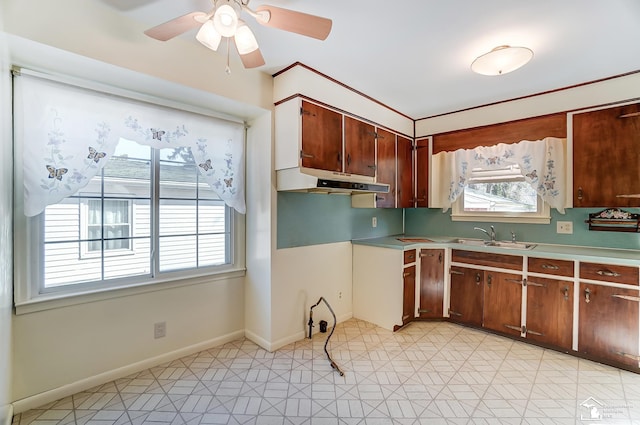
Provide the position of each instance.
(429, 221)
(312, 219)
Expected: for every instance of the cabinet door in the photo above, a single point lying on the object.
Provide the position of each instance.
(409, 294)
(321, 138)
(550, 311)
(405, 173)
(466, 295)
(422, 173)
(359, 147)
(608, 323)
(503, 302)
(431, 283)
(386, 168)
(606, 158)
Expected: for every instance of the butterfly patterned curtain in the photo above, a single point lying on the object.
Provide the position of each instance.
(68, 134)
(541, 163)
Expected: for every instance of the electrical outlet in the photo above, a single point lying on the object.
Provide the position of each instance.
(159, 330)
(374, 222)
(565, 227)
(339, 295)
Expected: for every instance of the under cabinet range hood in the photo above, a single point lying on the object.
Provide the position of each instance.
(301, 179)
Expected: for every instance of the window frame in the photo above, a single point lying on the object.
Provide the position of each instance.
(542, 215)
(29, 239)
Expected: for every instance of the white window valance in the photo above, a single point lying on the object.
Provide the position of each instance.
(68, 134)
(541, 162)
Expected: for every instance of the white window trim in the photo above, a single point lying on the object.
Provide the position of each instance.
(28, 298)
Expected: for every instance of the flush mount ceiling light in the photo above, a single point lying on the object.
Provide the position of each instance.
(223, 21)
(501, 60)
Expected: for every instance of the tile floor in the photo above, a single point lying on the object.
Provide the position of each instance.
(427, 373)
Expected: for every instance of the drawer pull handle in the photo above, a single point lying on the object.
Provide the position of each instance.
(628, 355)
(412, 257)
(608, 273)
(513, 327)
(539, 285)
(550, 267)
(587, 295)
(626, 297)
(456, 272)
(518, 281)
(424, 310)
(529, 331)
(454, 313)
(406, 274)
(306, 155)
(489, 279)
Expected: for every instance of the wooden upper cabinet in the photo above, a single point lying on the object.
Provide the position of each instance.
(359, 147)
(606, 157)
(321, 138)
(422, 173)
(405, 173)
(386, 168)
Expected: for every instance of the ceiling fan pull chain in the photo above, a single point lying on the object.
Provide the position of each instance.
(228, 68)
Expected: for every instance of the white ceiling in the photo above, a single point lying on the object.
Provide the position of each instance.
(414, 55)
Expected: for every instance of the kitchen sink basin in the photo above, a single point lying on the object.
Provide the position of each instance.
(497, 244)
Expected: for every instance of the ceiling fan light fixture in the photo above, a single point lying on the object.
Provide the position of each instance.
(245, 40)
(208, 36)
(501, 60)
(225, 18)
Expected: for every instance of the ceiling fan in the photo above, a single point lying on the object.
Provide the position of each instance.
(224, 21)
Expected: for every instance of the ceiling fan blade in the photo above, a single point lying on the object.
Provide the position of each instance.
(253, 59)
(177, 26)
(297, 22)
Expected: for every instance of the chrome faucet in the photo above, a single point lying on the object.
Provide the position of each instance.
(491, 234)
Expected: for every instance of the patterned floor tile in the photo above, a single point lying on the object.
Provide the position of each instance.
(427, 373)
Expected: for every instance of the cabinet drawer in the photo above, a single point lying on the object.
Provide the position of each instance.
(511, 262)
(609, 273)
(410, 256)
(548, 266)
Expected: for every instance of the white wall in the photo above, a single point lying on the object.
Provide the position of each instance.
(6, 185)
(66, 348)
(300, 277)
(608, 91)
(260, 234)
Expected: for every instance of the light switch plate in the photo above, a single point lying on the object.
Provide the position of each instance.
(565, 227)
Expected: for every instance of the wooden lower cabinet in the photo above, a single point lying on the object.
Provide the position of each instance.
(550, 312)
(431, 283)
(502, 302)
(608, 323)
(466, 295)
(409, 294)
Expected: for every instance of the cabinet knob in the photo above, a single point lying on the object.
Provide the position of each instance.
(587, 295)
(565, 291)
(580, 194)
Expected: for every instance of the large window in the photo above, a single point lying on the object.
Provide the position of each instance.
(114, 193)
(125, 225)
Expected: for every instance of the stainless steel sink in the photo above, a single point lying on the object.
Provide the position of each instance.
(497, 244)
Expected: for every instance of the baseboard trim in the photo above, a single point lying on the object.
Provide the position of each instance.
(49, 396)
(273, 346)
(6, 414)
